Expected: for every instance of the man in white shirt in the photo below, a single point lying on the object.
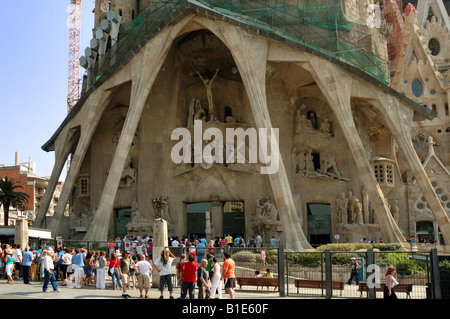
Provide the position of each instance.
(49, 271)
(175, 243)
(143, 269)
(17, 260)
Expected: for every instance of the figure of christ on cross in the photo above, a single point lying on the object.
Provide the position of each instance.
(208, 84)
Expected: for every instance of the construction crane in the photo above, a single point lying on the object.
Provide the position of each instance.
(74, 53)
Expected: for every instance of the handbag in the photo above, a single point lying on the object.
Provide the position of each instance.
(97, 264)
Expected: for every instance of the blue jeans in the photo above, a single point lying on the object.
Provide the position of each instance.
(49, 277)
(116, 276)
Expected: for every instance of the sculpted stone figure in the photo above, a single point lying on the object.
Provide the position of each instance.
(266, 213)
(128, 176)
(357, 216)
(208, 85)
(298, 162)
(329, 162)
(325, 127)
(138, 223)
(304, 125)
(341, 208)
(395, 211)
(309, 164)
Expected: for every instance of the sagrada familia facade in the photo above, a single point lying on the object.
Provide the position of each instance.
(359, 136)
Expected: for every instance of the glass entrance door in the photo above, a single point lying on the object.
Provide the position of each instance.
(319, 223)
(123, 217)
(196, 219)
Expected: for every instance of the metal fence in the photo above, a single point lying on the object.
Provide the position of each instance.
(329, 274)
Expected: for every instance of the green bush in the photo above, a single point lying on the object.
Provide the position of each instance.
(408, 267)
(388, 246)
(246, 256)
(272, 256)
(345, 247)
(444, 272)
(306, 259)
(341, 259)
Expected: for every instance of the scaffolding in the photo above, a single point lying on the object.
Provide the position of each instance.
(392, 14)
(321, 25)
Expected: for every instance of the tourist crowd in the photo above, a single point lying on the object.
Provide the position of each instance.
(129, 262)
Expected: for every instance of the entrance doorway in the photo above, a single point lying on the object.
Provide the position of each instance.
(319, 223)
(234, 218)
(196, 219)
(123, 217)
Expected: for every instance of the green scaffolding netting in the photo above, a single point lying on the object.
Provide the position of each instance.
(321, 25)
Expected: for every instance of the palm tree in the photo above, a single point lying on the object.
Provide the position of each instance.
(9, 196)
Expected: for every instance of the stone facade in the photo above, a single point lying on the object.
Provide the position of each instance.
(340, 132)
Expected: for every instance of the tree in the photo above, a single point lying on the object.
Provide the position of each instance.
(10, 196)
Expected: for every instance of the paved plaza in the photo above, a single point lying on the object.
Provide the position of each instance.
(19, 290)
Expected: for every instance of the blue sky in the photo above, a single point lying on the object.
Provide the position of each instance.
(34, 75)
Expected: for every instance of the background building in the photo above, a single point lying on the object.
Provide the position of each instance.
(34, 186)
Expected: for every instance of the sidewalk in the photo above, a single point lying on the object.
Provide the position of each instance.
(19, 290)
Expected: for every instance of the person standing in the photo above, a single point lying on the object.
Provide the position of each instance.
(26, 265)
(391, 282)
(200, 251)
(78, 262)
(203, 284)
(216, 282)
(163, 265)
(124, 270)
(189, 270)
(100, 277)
(229, 240)
(113, 264)
(9, 265)
(87, 269)
(228, 274)
(354, 271)
(263, 259)
(17, 260)
(258, 241)
(179, 273)
(143, 269)
(59, 264)
(111, 247)
(66, 261)
(49, 275)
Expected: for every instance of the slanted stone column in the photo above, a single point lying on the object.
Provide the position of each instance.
(60, 159)
(336, 86)
(96, 103)
(398, 119)
(250, 54)
(144, 69)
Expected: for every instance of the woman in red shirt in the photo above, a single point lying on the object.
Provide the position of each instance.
(113, 264)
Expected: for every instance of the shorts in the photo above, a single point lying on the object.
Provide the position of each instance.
(17, 264)
(143, 281)
(9, 269)
(165, 279)
(87, 271)
(230, 282)
(125, 279)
